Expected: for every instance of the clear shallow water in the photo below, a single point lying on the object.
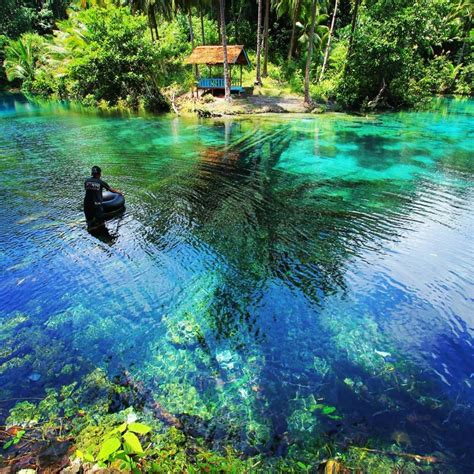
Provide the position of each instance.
(263, 266)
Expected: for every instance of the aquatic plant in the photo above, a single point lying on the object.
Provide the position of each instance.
(15, 439)
(121, 447)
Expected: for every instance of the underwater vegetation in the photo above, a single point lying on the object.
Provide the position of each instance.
(193, 408)
(281, 295)
(65, 427)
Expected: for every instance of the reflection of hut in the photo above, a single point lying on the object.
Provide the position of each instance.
(216, 155)
(214, 56)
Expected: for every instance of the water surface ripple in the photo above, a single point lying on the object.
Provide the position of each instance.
(261, 264)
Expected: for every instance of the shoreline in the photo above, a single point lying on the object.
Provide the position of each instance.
(208, 106)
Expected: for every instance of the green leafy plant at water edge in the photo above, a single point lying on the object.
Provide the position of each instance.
(100, 56)
(121, 447)
(15, 439)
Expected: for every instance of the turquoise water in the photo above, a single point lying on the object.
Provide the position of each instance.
(263, 266)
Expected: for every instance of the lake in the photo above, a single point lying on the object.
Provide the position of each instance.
(274, 279)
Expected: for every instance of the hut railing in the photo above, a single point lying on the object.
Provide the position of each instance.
(211, 83)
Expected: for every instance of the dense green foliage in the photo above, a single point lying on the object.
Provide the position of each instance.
(98, 55)
(402, 52)
(21, 16)
(3, 77)
(383, 53)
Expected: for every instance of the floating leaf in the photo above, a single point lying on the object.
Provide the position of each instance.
(109, 447)
(139, 428)
(133, 443)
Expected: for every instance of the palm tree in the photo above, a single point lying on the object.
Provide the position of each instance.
(355, 10)
(328, 44)
(150, 8)
(224, 48)
(201, 16)
(70, 40)
(309, 57)
(320, 32)
(266, 22)
(185, 6)
(258, 78)
(296, 14)
(20, 58)
(152, 23)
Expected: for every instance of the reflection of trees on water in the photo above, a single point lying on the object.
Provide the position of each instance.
(276, 242)
(252, 214)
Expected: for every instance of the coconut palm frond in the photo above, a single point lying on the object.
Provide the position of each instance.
(20, 58)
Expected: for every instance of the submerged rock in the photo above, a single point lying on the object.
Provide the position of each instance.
(383, 354)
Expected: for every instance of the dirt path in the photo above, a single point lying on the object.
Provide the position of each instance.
(209, 106)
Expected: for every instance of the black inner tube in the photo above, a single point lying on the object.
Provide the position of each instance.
(112, 202)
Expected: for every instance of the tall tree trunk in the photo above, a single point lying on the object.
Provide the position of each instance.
(309, 58)
(296, 14)
(151, 27)
(465, 35)
(258, 78)
(219, 20)
(224, 47)
(237, 23)
(265, 38)
(355, 11)
(328, 45)
(191, 30)
(191, 36)
(201, 14)
(153, 23)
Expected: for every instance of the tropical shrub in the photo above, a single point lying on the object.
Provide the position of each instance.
(393, 46)
(465, 81)
(21, 57)
(440, 75)
(3, 77)
(15, 18)
(100, 55)
(120, 448)
(117, 60)
(21, 16)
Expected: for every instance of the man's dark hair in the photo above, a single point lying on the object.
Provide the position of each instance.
(96, 170)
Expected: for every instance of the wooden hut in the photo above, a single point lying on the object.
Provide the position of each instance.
(214, 56)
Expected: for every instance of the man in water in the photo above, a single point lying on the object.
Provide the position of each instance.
(93, 199)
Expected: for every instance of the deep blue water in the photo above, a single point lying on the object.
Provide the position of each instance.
(263, 265)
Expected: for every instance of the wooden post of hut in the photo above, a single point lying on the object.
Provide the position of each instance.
(214, 55)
